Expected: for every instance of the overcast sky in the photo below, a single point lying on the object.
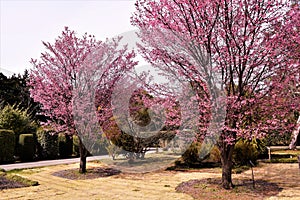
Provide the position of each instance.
(24, 24)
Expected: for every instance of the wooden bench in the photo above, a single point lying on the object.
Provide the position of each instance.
(270, 148)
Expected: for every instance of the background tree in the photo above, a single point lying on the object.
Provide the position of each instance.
(15, 91)
(130, 118)
(66, 76)
(244, 48)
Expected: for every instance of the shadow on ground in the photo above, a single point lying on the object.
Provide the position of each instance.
(211, 189)
(73, 174)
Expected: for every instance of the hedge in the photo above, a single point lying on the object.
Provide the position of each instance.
(48, 143)
(65, 145)
(27, 147)
(7, 145)
(76, 146)
(17, 120)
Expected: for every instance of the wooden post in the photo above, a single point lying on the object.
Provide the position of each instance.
(269, 152)
(299, 160)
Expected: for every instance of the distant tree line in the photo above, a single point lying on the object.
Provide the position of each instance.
(15, 91)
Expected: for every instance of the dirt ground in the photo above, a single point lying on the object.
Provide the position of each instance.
(284, 179)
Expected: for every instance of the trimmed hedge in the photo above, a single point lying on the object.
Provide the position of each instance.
(27, 147)
(48, 144)
(18, 120)
(65, 145)
(7, 145)
(76, 146)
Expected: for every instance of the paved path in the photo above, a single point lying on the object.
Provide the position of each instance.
(44, 163)
(47, 163)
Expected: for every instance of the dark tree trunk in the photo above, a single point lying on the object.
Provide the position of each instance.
(226, 159)
(83, 154)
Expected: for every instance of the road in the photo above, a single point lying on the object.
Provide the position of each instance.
(43, 163)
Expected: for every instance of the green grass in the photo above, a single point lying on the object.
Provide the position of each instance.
(20, 179)
(25, 171)
(287, 152)
(284, 156)
(12, 176)
(283, 160)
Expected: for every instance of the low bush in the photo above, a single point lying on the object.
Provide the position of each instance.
(244, 151)
(65, 145)
(48, 142)
(100, 146)
(113, 150)
(7, 146)
(292, 159)
(18, 120)
(76, 146)
(191, 155)
(214, 156)
(27, 147)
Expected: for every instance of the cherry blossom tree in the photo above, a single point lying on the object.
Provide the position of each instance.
(66, 78)
(243, 49)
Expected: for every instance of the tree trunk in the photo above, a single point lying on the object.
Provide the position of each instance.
(83, 154)
(295, 135)
(226, 159)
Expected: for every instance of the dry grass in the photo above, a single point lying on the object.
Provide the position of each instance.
(156, 185)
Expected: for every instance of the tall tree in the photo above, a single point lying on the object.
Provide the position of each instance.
(14, 90)
(242, 48)
(66, 77)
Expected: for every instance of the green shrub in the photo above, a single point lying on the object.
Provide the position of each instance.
(100, 145)
(27, 147)
(48, 143)
(113, 150)
(65, 145)
(191, 155)
(76, 146)
(283, 160)
(7, 146)
(214, 155)
(18, 120)
(244, 151)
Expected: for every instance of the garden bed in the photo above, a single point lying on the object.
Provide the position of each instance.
(8, 181)
(211, 188)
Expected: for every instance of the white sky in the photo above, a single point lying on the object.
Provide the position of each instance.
(24, 24)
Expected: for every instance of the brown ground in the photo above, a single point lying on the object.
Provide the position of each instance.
(274, 181)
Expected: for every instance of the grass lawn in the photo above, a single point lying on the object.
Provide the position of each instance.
(284, 156)
(272, 180)
(289, 152)
(10, 180)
